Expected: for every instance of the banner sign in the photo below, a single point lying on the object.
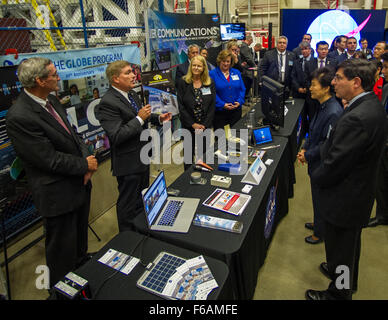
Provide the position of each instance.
(9, 90)
(75, 64)
(162, 95)
(176, 32)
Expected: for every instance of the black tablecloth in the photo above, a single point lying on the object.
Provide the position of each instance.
(123, 287)
(243, 253)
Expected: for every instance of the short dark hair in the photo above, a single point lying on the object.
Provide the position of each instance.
(362, 69)
(324, 76)
(338, 40)
(362, 40)
(322, 43)
(384, 56)
(386, 44)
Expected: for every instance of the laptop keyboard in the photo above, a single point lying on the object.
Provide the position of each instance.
(170, 214)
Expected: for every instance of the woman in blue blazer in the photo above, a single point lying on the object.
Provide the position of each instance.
(230, 91)
(324, 119)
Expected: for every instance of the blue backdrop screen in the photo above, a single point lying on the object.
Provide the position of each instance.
(326, 24)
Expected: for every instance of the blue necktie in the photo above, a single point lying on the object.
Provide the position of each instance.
(133, 102)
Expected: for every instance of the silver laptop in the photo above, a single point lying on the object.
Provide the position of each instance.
(164, 213)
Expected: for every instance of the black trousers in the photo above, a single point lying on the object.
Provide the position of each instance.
(342, 247)
(222, 118)
(319, 223)
(66, 241)
(382, 189)
(130, 203)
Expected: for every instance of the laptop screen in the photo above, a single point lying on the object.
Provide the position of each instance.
(263, 135)
(155, 197)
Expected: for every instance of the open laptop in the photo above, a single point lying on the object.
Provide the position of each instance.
(164, 213)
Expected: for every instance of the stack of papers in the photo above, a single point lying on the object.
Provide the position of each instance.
(193, 280)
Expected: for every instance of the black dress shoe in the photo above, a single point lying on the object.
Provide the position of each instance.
(310, 240)
(325, 271)
(317, 295)
(309, 225)
(374, 222)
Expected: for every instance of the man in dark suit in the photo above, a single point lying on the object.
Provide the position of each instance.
(277, 63)
(364, 48)
(182, 68)
(298, 50)
(347, 176)
(351, 46)
(57, 163)
(323, 60)
(340, 43)
(299, 77)
(123, 118)
(382, 180)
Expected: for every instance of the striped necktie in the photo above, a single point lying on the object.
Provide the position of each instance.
(56, 116)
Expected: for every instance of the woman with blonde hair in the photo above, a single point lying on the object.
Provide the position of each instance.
(196, 99)
(230, 91)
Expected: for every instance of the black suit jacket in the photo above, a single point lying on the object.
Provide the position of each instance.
(347, 175)
(118, 118)
(185, 95)
(299, 78)
(312, 65)
(54, 160)
(269, 66)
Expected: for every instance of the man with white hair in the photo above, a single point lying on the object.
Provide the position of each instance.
(57, 164)
(278, 63)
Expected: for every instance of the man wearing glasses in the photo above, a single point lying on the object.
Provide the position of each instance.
(57, 164)
(347, 176)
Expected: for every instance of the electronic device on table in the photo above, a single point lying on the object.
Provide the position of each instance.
(272, 102)
(262, 135)
(232, 31)
(163, 267)
(164, 213)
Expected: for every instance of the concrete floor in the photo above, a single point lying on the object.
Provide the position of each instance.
(290, 269)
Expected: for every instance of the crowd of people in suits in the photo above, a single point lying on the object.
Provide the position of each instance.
(345, 143)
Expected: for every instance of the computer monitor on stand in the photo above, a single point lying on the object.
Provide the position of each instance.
(272, 102)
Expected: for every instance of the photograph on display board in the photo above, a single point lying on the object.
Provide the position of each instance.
(162, 93)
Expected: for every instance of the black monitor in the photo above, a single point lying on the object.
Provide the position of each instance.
(163, 59)
(232, 31)
(272, 102)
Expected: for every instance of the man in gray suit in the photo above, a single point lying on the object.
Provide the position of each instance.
(382, 180)
(347, 176)
(57, 163)
(123, 117)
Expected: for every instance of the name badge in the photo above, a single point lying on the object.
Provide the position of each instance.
(369, 57)
(235, 77)
(206, 91)
(290, 63)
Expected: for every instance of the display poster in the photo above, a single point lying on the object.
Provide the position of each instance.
(162, 94)
(175, 32)
(9, 90)
(82, 84)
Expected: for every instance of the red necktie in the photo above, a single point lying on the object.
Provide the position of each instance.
(57, 117)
